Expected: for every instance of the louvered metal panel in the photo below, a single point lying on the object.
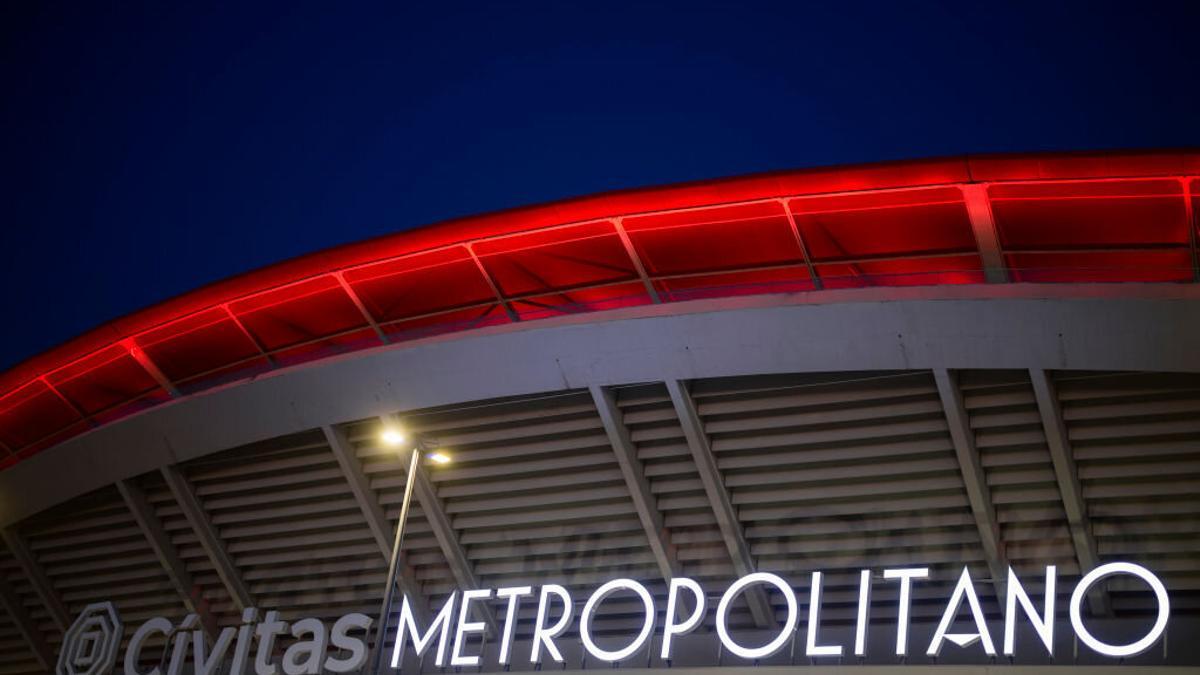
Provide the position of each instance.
(91, 550)
(1020, 476)
(16, 655)
(290, 525)
(1136, 439)
(534, 494)
(840, 473)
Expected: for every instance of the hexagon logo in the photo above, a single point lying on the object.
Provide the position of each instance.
(90, 645)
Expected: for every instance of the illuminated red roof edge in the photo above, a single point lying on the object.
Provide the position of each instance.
(590, 272)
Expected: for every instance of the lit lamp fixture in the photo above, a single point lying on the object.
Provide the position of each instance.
(395, 438)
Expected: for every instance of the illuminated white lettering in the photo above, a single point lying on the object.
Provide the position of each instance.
(671, 630)
(457, 658)
(408, 626)
(543, 636)
(780, 640)
(1044, 625)
(906, 577)
(1133, 648)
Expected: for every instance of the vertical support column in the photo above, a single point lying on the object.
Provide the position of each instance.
(619, 224)
(1189, 210)
(978, 494)
(182, 490)
(361, 307)
(41, 584)
(812, 270)
(718, 497)
(151, 368)
(1067, 475)
(508, 310)
(249, 336)
(983, 224)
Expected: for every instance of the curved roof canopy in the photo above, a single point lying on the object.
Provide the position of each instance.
(967, 220)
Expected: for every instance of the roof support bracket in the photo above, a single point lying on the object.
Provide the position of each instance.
(987, 239)
(635, 479)
(447, 538)
(164, 550)
(16, 611)
(1067, 475)
(718, 497)
(377, 522)
(193, 510)
(978, 494)
(619, 224)
(41, 583)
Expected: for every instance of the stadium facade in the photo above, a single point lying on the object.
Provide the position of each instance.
(921, 416)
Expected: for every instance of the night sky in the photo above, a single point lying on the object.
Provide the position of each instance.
(150, 149)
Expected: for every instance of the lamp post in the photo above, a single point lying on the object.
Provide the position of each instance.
(393, 437)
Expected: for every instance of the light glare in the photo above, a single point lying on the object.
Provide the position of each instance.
(392, 437)
(440, 457)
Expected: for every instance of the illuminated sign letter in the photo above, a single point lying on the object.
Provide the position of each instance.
(585, 620)
(408, 625)
(672, 629)
(964, 588)
(1133, 648)
(723, 616)
(905, 576)
(545, 636)
(513, 595)
(814, 618)
(456, 656)
(1044, 625)
(864, 605)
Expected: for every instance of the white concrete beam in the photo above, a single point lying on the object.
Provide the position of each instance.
(718, 497)
(978, 494)
(41, 584)
(196, 516)
(635, 479)
(1067, 475)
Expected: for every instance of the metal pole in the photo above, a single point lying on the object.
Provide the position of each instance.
(385, 608)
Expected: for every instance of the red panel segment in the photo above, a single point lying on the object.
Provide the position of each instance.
(791, 279)
(908, 222)
(447, 322)
(33, 413)
(197, 344)
(714, 239)
(103, 380)
(1094, 214)
(1101, 266)
(312, 351)
(582, 300)
(570, 257)
(420, 284)
(965, 269)
(299, 313)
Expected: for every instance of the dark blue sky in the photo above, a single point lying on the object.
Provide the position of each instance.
(148, 150)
